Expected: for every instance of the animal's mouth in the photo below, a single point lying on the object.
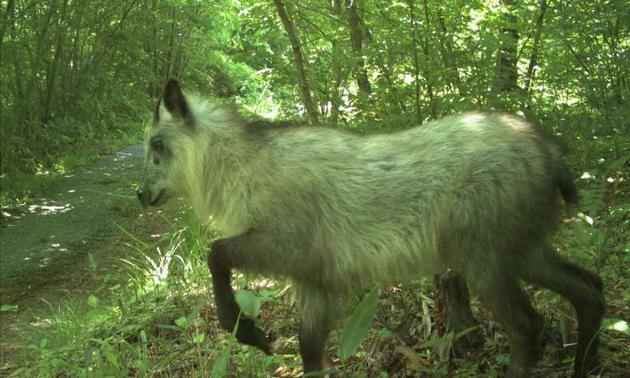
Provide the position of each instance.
(160, 199)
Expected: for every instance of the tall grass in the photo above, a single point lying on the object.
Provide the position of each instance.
(153, 317)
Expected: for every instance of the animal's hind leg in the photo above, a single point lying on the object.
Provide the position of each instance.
(453, 293)
(227, 254)
(500, 293)
(583, 289)
(317, 312)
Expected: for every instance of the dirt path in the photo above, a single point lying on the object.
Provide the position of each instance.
(44, 252)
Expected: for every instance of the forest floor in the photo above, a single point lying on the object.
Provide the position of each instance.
(45, 245)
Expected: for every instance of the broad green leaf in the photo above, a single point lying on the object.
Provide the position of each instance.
(359, 324)
(249, 303)
(618, 325)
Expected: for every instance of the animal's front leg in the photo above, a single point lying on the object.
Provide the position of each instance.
(227, 254)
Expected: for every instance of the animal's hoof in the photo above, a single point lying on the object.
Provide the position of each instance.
(249, 334)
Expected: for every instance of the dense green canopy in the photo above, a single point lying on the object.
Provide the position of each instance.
(74, 72)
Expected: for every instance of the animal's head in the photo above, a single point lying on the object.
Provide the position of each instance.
(172, 128)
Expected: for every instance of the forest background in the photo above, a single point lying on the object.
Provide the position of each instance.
(79, 80)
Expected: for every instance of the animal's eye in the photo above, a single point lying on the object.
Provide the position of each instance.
(157, 145)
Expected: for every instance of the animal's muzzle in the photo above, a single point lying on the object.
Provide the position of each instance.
(143, 197)
(148, 197)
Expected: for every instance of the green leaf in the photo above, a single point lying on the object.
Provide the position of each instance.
(619, 163)
(618, 325)
(249, 303)
(92, 261)
(466, 332)
(446, 339)
(110, 354)
(8, 308)
(182, 322)
(219, 368)
(359, 324)
(198, 338)
(92, 301)
(195, 312)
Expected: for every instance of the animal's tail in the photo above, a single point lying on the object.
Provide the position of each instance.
(566, 185)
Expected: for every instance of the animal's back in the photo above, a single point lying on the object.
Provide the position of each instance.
(423, 199)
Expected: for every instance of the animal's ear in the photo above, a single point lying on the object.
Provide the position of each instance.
(175, 103)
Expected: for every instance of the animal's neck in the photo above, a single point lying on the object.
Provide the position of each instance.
(222, 183)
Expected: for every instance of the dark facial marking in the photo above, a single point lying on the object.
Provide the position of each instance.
(157, 144)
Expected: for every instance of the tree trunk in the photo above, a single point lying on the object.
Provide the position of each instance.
(170, 53)
(506, 73)
(356, 40)
(384, 62)
(311, 110)
(447, 52)
(535, 48)
(427, 73)
(69, 79)
(155, 82)
(416, 60)
(51, 74)
(336, 65)
(5, 21)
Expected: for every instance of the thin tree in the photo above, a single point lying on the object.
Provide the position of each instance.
(533, 60)
(289, 27)
(356, 40)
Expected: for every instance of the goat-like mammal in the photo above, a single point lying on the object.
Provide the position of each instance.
(336, 211)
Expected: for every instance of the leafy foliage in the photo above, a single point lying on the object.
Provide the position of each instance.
(359, 324)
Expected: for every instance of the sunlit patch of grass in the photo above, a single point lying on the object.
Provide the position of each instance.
(153, 317)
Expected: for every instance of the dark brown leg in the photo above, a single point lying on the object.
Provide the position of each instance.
(225, 255)
(584, 290)
(454, 297)
(312, 346)
(317, 311)
(500, 292)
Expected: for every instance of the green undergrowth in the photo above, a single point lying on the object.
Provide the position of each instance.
(153, 315)
(19, 187)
